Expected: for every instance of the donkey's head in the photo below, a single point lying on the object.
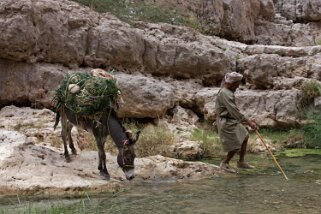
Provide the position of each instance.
(126, 155)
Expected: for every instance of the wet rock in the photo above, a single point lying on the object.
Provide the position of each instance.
(159, 168)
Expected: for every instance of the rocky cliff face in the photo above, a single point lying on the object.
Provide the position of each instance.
(269, 22)
(160, 65)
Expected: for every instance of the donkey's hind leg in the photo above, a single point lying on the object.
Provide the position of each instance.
(71, 143)
(65, 131)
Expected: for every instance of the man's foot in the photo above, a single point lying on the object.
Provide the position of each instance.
(244, 165)
(226, 167)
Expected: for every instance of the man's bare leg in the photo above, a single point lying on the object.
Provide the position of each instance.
(241, 163)
(229, 156)
(225, 163)
(243, 149)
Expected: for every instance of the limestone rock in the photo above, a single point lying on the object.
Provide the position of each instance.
(187, 150)
(39, 166)
(66, 33)
(161, 168)
(184, 117)
(256, 146)
(236, 12)
(144, 97)
(301, 10)
(70, 35)
(263, 71)
(29, 84)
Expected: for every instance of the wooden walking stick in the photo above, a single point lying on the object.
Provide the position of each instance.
(278, 165)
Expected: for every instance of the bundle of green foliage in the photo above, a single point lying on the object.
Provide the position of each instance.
(85, 94)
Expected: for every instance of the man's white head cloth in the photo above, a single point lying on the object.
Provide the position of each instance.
(233, 77)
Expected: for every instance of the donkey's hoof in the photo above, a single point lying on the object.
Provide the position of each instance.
(68, 159)
(74, 152)
(105, 175)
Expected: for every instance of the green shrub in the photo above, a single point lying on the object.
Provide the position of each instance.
(193, 22)
(310, 90)
(312, 131)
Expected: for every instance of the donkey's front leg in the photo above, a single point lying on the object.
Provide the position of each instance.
(102, 157)
(102, 161)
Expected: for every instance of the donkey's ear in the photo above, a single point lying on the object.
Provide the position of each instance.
(129, 134)
(137, 135)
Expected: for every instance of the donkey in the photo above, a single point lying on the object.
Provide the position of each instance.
(107, 124)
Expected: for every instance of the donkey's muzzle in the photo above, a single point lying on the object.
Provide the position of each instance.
(129, 174)
(130, 177)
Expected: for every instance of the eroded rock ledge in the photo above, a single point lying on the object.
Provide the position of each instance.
(30, 164)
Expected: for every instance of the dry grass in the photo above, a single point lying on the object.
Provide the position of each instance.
(154, 140)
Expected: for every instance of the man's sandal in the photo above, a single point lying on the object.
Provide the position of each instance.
(226, 167)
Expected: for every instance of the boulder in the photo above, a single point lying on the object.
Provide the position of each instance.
(144, 97)
(256, 146)
(187, 150)
(236, 12)
(264, 71)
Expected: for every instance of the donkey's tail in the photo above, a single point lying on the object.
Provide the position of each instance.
(57, 119)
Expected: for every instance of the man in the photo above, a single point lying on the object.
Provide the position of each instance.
(233, 135)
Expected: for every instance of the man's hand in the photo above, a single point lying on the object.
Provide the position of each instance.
(252, 124)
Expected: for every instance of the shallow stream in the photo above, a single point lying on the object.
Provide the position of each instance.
(263, 190)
